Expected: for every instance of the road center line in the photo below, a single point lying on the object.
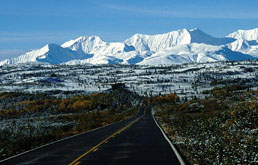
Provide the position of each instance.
(76, 161)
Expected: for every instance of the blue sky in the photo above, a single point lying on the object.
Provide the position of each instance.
(31, 24)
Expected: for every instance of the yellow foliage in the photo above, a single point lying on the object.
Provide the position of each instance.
(79, 104)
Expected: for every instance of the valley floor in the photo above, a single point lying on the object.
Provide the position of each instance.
(208, 109)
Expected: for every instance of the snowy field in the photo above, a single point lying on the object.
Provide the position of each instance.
(52, 82)
(185, 80)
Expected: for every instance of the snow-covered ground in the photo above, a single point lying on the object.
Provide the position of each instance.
(185, 79)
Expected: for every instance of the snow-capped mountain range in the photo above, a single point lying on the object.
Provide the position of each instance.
(176, 47)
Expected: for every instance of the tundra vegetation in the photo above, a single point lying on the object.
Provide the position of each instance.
(35, 119)
(219, 129)
(208, 109)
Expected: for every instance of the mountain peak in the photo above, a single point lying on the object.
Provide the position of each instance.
(177, 46)
(143, 42)
(52, 45)
(91, 38)
(198, 36)
(178, 37)
(249, 35)
(47, 48)
(82, 39)
(194, 29)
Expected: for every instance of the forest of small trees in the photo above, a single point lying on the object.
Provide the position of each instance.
(46, 118)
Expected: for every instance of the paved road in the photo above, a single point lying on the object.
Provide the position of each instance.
(134, 141)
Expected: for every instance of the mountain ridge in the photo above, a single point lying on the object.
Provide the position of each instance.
(175, 47)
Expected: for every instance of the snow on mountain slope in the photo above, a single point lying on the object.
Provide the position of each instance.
(143, 42)
(194, 52)
(95, 45)
(198, 36)
(181, 46)
(96, 60)
(247, 41)
(245, 46)
(164, 41)
(132, 57)
(51, 53)
(245, 34)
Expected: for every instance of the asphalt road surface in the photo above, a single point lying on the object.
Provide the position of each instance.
(134, 141)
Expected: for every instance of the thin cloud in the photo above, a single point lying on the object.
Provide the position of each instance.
(5, 54)
(187, 12)
(32, 36)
